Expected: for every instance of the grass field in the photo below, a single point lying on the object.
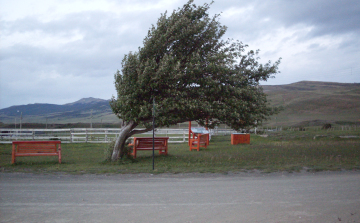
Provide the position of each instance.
(280, 151)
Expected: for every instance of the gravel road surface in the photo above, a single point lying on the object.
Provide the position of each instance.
(241, 197)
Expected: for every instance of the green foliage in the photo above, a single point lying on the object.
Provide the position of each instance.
(193, 74)
(327, 126)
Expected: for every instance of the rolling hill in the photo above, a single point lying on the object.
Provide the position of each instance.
(305, 103)
(314, 103)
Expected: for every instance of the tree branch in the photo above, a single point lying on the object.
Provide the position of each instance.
(133, 132)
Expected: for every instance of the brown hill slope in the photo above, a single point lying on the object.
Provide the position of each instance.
(308, 101)
(305, 103)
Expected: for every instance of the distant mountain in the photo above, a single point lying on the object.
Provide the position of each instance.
(77, 111)
(88, 101)
(305, 103)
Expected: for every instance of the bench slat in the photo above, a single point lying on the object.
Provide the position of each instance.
(37, 154)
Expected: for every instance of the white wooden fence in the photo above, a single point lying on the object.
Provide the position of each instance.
(83, 135)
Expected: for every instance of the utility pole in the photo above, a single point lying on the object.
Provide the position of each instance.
(20, 120)
(91, 119)
(153, 153)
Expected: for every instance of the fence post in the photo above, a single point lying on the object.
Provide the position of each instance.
(106, 135)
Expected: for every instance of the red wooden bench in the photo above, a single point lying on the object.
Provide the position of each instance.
(146, 143)
(199, 140)
(36, 148)
(237, 138)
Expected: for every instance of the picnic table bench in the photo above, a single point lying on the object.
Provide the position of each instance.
(237, 138)
(36, 148)
(146, 143)
(199, 140)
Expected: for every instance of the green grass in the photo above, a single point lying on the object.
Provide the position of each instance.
(280, 151)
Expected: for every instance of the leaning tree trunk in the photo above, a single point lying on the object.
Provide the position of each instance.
(120, 141)
(126, 131)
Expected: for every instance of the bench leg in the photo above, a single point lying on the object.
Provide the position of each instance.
(59, 151)
(13, 155)
(197, 147)
(163, 152)
(134, 153)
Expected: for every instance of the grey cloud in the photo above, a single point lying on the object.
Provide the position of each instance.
(102, 46)
(327, 16)
(107, 36)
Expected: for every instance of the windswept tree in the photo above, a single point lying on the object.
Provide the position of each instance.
(192, 74)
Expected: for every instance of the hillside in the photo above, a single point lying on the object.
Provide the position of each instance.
(305, 103)
(309, 102)
(79, 111)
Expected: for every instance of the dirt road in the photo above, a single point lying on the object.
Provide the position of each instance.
(243, 197)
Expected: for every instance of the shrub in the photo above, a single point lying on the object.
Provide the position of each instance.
(326, 126)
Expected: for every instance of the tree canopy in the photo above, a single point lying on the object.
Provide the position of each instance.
(193, 75)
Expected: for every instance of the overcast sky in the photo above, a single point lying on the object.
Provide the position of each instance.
(58, 52)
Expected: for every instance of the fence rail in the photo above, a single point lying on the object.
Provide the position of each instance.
(83, 135)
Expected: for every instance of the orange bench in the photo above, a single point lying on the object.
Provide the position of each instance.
(199, 140)
(146, 143)
(238, 138)
(36, 148)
